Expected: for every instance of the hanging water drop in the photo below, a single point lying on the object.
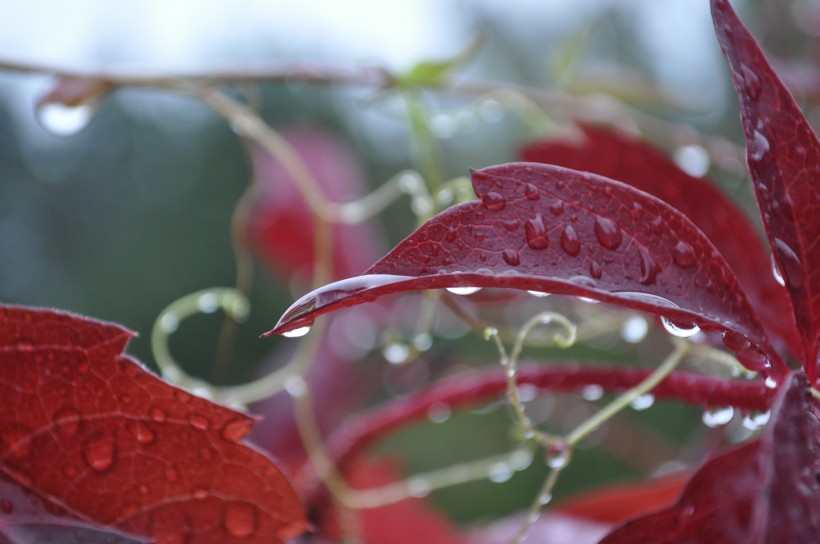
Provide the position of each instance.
(755, 420)
(770, 382)
(569, 241)
(607, 233)
(643, 402)
(557, 455)
(717, 416)
(681, 330)
(538, 294)
(61, 120)
(463, 290)
(490, 332)
(544, 498)
(296, 333)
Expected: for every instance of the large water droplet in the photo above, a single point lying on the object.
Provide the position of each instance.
(717, 416)
(681, 330)
(511, 257)
(770, 382)
(557, 455)
(494, 201)
(61, 120)
(751, 81)
(140, 431)
(755, 420)
(791, 267)
(759, 146)
(569, 241)
(236, 429)
(67, 421)
(500, 472)
(649, 268)
(99, 451)
(634, 329)
(607, 233)
(643, 402)
(296, 333)
(683, 254)
(464, 290)
(536, 232)
(239, 519)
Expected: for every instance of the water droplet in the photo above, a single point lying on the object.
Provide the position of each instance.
(656, 225)
(679, 329)
(157, 414)
(511, 257)
(490, 332)
(70, 471)
(62, 120)
(607, 233)
(751, 81)
(239, 519)
(140, 431)
(557, 455)
(500, 473)
(585, 281)
(759, 146)
(735, 342)
(717, 416)
(791, 267)
(544, 498)
(692, 159)
(538, 294)
(67, 421)
(755, 420)
(531, 192)
(464, 290)
(683, 254)
(649, 268)
(418, 487)
(236, 429)
(556, 208)
(296, 386)
(169, 323)
(296, 333)
(592, 392)
(634, 329)
(200, 493)
(569, 241)
(510, 224)
(776, 273)
(643, 402)
(494, 201)
(99, 451)
(199, 422)
(438, 412)
(423, 342)
(770, 382)
(171, 473)
(536, 233)
(595, 270)
(208, 303)
(396, 353)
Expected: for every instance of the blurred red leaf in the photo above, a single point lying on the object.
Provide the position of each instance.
(546, 228)
(620, 157)
(92, 433)
(783, 155)
(281, 224)
(765, 491)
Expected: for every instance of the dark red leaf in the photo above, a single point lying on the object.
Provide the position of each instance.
(765, 491)
(281, 224)
(783, 154)
(546, 228)
(623, 158)
(25, 518)
(91, 432)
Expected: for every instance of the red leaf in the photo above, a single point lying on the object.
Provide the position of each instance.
(88, 430)
(281, 224)
(546, 228)
(619, 157)
(783, 155)
(765, 491)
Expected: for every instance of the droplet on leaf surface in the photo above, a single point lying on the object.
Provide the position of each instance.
(240, 520)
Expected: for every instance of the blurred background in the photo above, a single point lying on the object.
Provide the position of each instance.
(119, 216)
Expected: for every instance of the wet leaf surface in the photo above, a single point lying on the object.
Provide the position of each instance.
(783, 155)
(551, 229)
(94, 434)
(765, 491)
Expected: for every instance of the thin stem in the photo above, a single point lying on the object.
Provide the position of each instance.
(424, 141)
